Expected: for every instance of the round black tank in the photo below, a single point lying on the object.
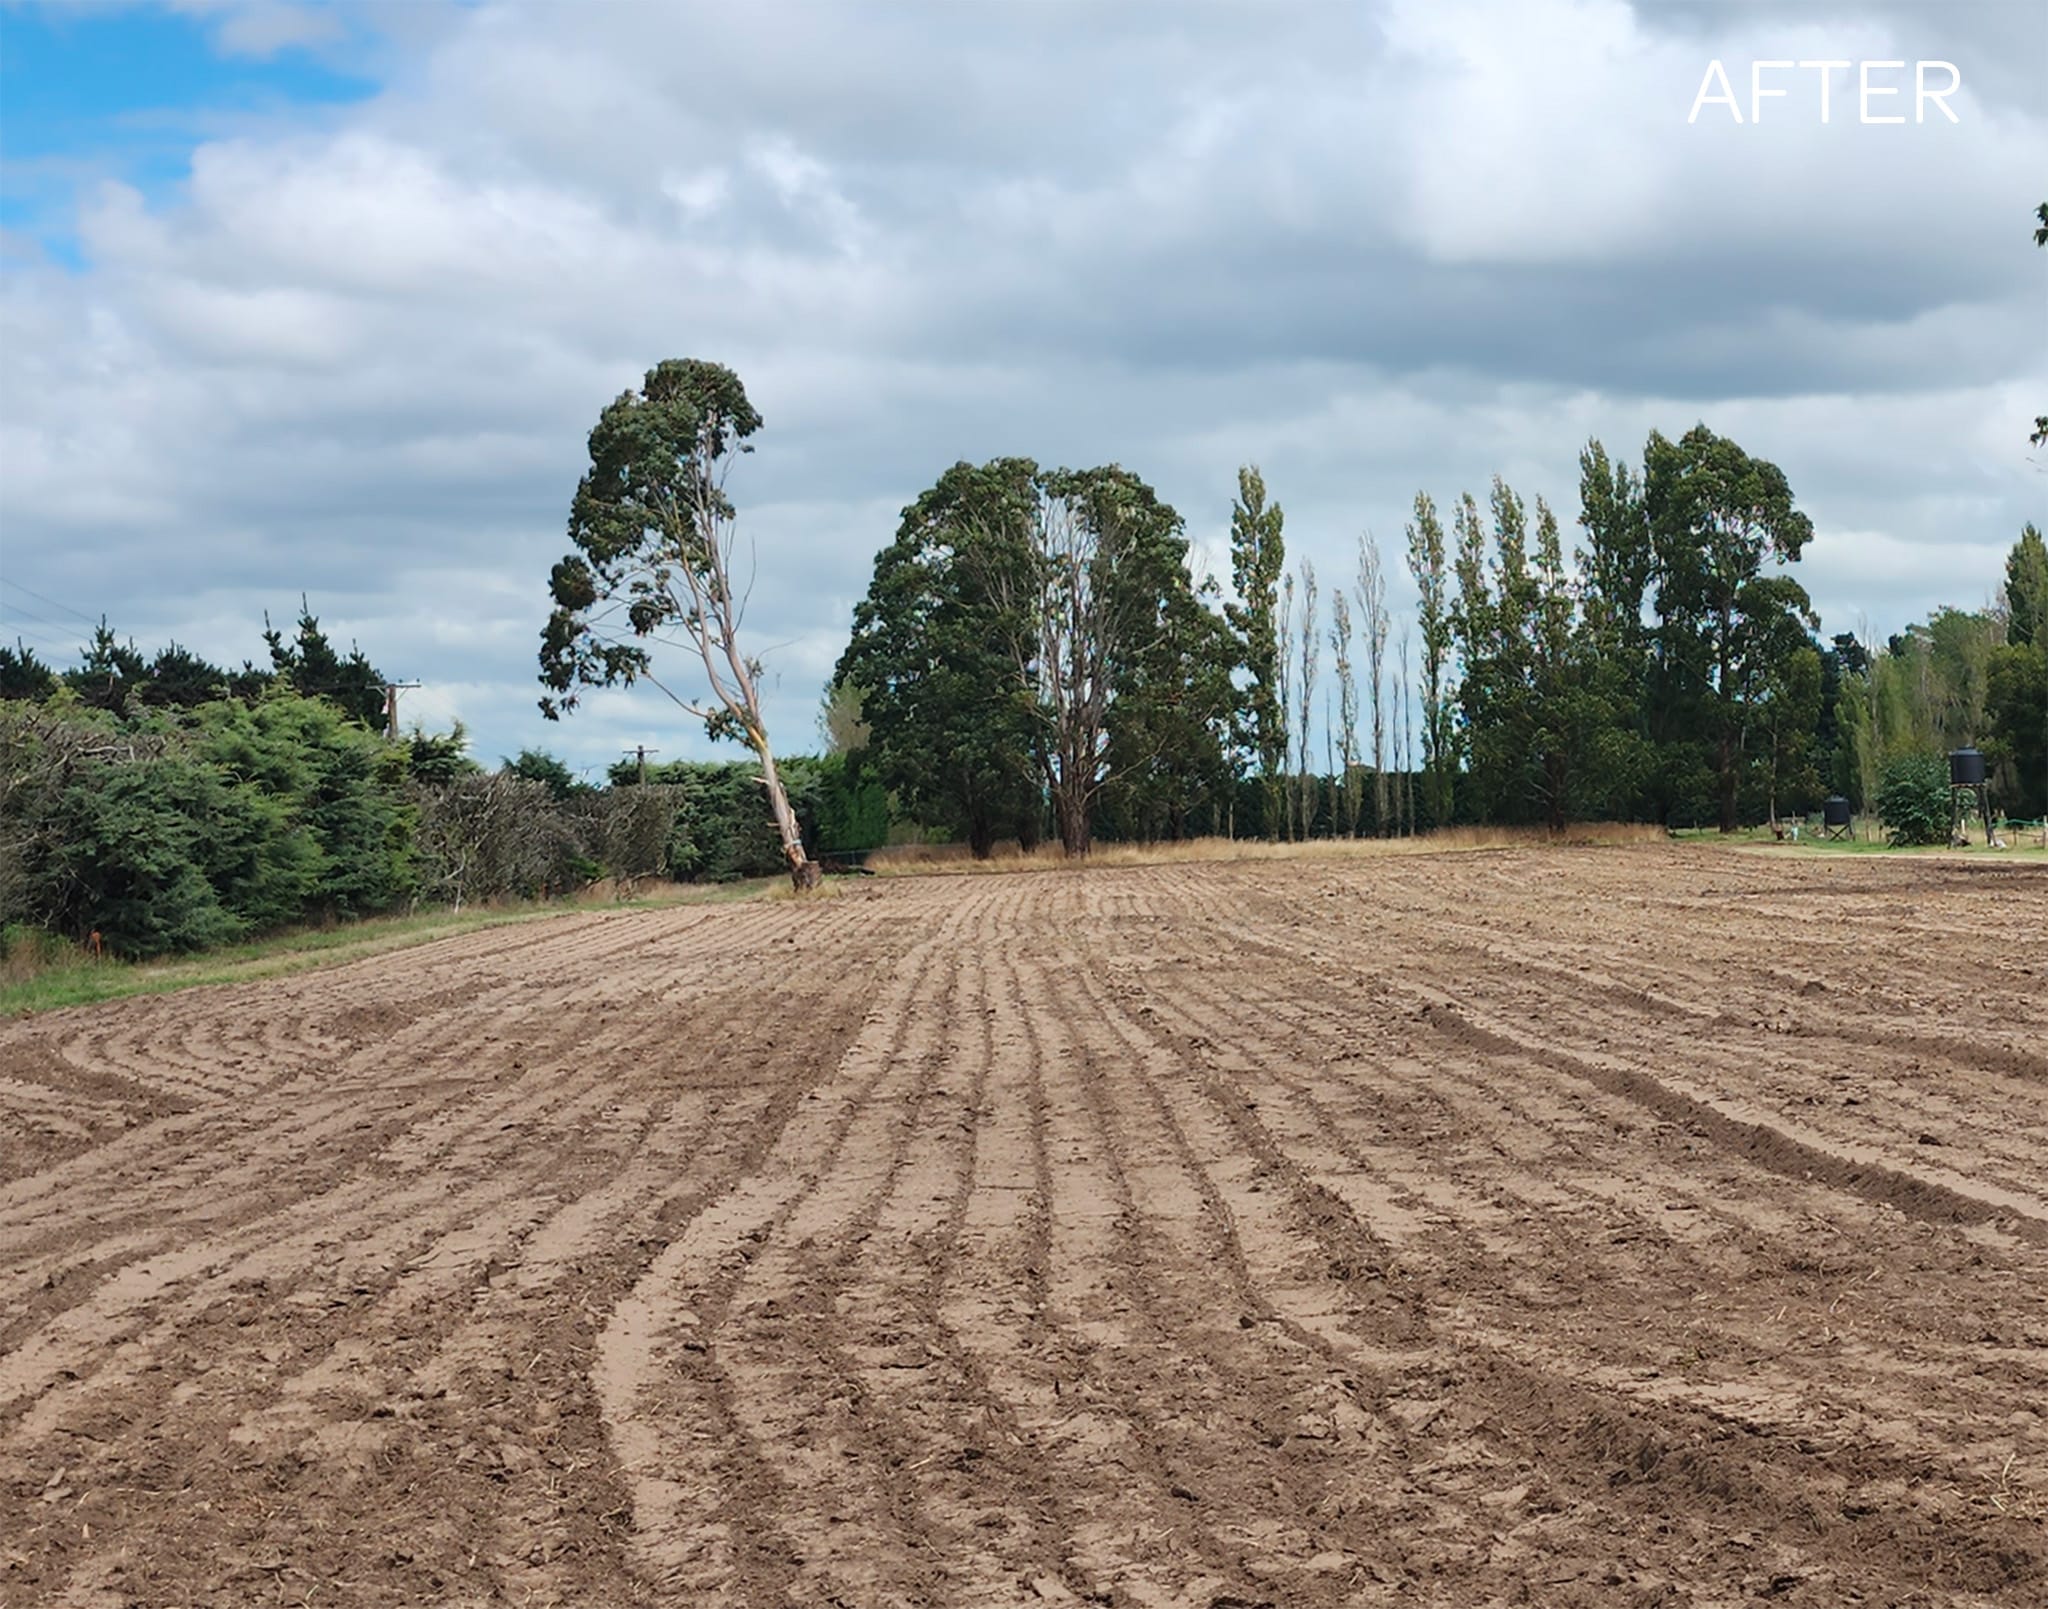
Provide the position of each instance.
(1965, 768)
(1834, 811)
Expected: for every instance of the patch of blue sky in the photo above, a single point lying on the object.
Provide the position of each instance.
(127, 93)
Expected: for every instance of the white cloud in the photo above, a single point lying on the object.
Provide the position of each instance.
(1375, 250)
(264, 29)
(698, 194)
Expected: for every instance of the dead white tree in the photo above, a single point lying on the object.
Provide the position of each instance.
(1311, 656)
(1345, 791)
(1372, 608)
(1285, 639)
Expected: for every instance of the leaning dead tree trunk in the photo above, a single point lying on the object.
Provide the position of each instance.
(712, 619)
(803, 871)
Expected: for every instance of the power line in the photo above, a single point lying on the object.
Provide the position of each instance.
(30, 614)
(64, 608)
(20, 630)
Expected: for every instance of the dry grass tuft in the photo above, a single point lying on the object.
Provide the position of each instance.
(2013, 1495)
(903, 860)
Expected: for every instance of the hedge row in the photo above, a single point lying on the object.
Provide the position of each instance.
(167, 830)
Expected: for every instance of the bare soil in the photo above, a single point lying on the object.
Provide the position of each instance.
(1576, 1227)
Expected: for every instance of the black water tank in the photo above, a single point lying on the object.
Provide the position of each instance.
(1965, 768)
(1834, 812)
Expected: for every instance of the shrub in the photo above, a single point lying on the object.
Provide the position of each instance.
(133, 851)
(852, 808)
(722, 827)
(490, 836)
(25, 951)
(626, 831)
(172, 830)
(1913, 799)
(327, 794)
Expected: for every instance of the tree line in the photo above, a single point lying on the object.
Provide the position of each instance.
(1033, 652)
(166, 804)
(1033, 656)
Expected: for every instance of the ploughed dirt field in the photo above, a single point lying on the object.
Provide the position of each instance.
(1577, 1227)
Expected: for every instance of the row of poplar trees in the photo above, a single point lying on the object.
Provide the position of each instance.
(1033, 649)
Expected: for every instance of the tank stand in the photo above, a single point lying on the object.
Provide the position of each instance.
(1961, 796)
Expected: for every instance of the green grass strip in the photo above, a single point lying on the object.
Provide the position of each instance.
(80, 981)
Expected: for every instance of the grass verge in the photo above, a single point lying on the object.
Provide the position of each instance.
(2020, 845)
(50, 982)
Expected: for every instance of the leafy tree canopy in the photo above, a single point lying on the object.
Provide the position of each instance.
(653, 454)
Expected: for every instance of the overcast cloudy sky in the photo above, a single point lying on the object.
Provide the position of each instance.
(325, 298)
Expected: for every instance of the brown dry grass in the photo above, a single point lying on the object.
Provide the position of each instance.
(900, 860)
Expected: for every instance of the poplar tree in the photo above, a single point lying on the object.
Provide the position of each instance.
(1427, 564)
(1258, 555)
(1472, 627)
(1615, 567)
(1496, 608)
(1404, 715)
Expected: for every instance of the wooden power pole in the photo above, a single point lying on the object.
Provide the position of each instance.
(391, 692)
(640, 751)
